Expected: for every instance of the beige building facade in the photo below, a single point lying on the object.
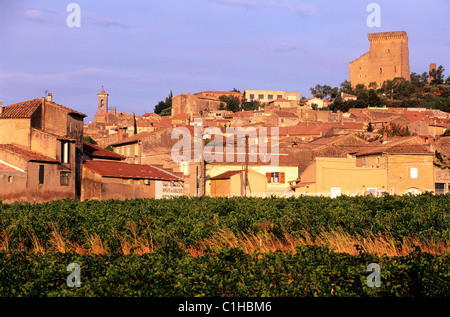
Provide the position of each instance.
(266, 96)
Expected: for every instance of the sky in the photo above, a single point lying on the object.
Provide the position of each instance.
(140, 50)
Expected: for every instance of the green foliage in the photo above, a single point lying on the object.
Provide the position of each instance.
(311, 272)
(163, 108)
(90, 140)
(230, 103)
(170, 271)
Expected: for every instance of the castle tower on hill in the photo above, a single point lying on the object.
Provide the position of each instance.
(387, 59)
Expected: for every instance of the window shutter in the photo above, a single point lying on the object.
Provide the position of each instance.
(268, 177)
(282, 177)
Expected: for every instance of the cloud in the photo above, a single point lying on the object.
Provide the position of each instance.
(42, 15)
(50, 16)
(284, 47)
(248, 4)
(303, 9)
(108, 22)
(300, 8)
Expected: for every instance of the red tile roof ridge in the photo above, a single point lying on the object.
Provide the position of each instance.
(27, 154)
(115, 169)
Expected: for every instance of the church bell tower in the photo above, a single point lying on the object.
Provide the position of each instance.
(102, 101)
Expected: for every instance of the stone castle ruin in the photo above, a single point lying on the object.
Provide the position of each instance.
(387, 59)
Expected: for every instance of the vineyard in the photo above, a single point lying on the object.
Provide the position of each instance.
(306, 246)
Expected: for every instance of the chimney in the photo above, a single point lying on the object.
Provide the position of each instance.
(120, 133)
(1, 108)
(384, 138)
(50, 97)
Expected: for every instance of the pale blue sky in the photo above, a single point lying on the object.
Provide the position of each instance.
(140, 50)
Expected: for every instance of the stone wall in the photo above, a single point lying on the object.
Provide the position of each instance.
(387, 59)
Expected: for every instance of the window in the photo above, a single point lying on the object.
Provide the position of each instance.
(260, 96)
(64, 178)
(270, 97)
(279, 96)
(413, 172)
(439, 188)
(65, 152)
(252, 96)
(10, 179)
(381, 70)
(275, 177)
(41, 174)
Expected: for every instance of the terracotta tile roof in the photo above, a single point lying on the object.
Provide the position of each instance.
(353, 125)
(398, 145)
(25, 109)
(21, 110)
(125, 170)
(6, 168)
(360, 115)
(285, 114)
(226, 175)
(414, 116)
(300, 185)
(132, 139)
(26, 154)
(181, 116)
(68, 110)
(309, 128)
(239, 159)
(96, 151)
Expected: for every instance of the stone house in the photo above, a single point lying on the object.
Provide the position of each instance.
(42, 131)
(331, 176)
(231, 183)
(408, 162)
(105, 180)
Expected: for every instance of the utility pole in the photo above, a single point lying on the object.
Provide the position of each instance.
(246, 167)
(202, 162)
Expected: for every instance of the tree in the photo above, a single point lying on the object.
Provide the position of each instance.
(394, 129)
(163, 105)
(230, 103)
(250, 105)
(324, 91)
(425, 77)
(346, 87)
(439, 79)
(416, 80)
(90, 140)
(372, 99)
(370, 127)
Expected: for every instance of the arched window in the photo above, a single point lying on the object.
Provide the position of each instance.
(381, 70)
